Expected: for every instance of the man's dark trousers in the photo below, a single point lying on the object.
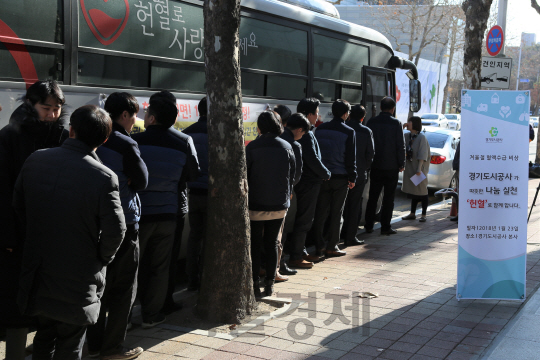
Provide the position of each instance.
(173, 266)
(156, 244)
(57, 340)
(306, 194)
(379, 179)
(108, 334)
(353, 209)
(198, 208)
(330, 204)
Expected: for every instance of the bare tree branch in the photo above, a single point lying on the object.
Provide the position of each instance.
(535, 6)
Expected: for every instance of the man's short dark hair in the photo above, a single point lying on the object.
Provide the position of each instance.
(387, 103)
(308, 106)
(299, 121)
(340, 107)
(163, 108)
(416, 123)
(92, 125)
(358, 112)
(284, 112)
(165, 94)
(118, 102)
(41, 90)
(203, 107)
(269, 123)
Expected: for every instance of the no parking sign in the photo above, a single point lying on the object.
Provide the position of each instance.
(494, 40)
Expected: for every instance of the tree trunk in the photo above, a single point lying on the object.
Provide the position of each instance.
(226, 293)
(476, 17)
(453, 40)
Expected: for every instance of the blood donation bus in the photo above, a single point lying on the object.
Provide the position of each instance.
(288, 50)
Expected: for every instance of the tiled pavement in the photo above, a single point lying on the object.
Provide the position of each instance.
(416, 315)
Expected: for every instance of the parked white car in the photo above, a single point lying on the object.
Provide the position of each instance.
(454, 121)
(434, 120)
(533, 120)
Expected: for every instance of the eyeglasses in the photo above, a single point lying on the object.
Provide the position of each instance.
(147, 109)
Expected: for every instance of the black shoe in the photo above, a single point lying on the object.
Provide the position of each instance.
(354, 242)
(388, 232)
(284, 269)
(171, 306)
(193, 286)
(368, 230)
(268, 288)
(257, 289)
(158, 319)
(455, 218)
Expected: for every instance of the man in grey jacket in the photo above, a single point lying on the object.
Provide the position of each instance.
(69, 204)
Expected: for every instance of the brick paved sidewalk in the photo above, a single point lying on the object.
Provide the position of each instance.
(415, 316)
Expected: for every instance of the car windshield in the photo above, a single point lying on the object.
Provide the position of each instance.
(430, 116)
(451, 117)
(436, 140)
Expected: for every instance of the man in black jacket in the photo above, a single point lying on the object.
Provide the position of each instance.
(338, 149)
(307, 190)
(388, 162)
(38, 123)
(70, 204)
(198, 199)
(364, 156)
(294, 128)
(121, 154)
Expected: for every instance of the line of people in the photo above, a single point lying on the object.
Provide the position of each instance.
(99, 204)
(85, 205)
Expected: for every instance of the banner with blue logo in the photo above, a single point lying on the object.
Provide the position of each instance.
(493, 188)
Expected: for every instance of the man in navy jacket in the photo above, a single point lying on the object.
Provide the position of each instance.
(307, 190)
(364, 156)
(121, 154)
(171, 159)
(338, 149)
(198, 199)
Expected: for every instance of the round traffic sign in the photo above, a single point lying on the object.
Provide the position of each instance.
(494, 40)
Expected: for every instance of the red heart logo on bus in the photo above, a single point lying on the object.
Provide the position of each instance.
(105, 27)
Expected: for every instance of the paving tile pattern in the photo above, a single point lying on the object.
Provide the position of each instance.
(416, 315)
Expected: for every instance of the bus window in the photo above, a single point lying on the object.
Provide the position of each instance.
(35, 20)
(112, 70)
(271, 47)
(352, 94)
(252, 84)
(177, 77)
(47, 62)
(375, 89)
(338, 59)
(276, 86)
(149, 30)
(325, 91)
(285, 87)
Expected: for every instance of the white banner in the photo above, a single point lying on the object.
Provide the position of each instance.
(188, 113)
(493, 193)
(428, 74)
